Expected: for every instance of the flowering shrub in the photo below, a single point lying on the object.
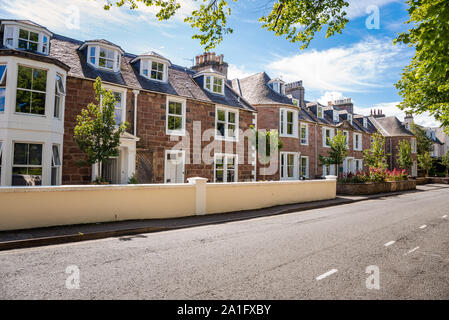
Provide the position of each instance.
(374, 175)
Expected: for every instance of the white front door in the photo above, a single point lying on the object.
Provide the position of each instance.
(174, 166)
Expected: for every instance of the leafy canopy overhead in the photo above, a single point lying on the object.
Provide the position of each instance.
(297, 20)
(424, 85)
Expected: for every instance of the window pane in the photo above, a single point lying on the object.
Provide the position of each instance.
(231, 130)
(230, 176)
(57, 102)
(34, 36)
(57, 160)
(24, 77)
(102, 62)
(231, 117)
(32, 46)
(2, 99)
(23, 101)
(289, 128)
(174, 123)
(23, 44)
(54, 176)
(39, 80)
(289, 116)
(219, 176)
(231, 163)
(175, 108)
(118, 116)
(35, 154)
(220, 129)
(109, 64)
(38, 103)
(221, 115)
(20, 154)
(23, 34)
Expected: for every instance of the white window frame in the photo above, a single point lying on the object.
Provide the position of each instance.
(327, 170)
(28, 165)
(350, 118)
(123, 92)
(60, 93)
(12, 33)
(346, 134)
(365, 122)
(283, 123)
(167, 152)
(295, 102)
(225, 167)
(226, 122)
(283, 166)
(357, 137)
(335, 116)
(319, 110)
(54, 164)
(358, 165)
(413, 145)
(331, 136)
(32, 91)
(307, 166)
(209, 84)
(182, 131)
(306, 141)
(115, 60)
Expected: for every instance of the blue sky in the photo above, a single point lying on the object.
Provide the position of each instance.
(361, 63)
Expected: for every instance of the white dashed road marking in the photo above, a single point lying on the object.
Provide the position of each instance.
(444, 217)
(410, 251)
(389, 243)
(423, 226)
(327, 274)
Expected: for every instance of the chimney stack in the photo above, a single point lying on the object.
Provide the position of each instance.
(211, 60)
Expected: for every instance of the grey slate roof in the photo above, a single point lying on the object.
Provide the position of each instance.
(180, 81)
(390, 126)
(256, 91)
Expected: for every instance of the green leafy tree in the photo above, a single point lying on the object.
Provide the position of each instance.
(423, 143)
(297, 20)
(375, 156)
(424, 85)
(96, 131)
(425, 162)
(445, 161)
(338, 151)
(404, 157)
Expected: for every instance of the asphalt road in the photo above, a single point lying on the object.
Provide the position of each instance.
(315, 254)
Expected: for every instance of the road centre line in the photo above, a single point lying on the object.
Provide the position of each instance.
(327, 274)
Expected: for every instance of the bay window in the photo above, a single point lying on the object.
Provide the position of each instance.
(175, 117)
(1, 144)
(225, 168)
(27, 164)
(103, 57)
(31, 90)
(288, 123)
(226, 124)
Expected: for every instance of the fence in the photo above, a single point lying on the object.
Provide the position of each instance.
(31, 207)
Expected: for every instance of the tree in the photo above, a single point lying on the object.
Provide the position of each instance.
(96, 131)
(338, 151)
(445, 161)
(424, 144)
(375, 156)
(404, 154)
(424, 85)
(425, 162)
(297, 20)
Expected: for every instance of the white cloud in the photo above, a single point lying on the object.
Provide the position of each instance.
(391, 109)
(358, 67)
(357, 8)
(238, 72)
(330, 96)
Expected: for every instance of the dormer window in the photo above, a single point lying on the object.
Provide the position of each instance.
(24, 36)
(365, 122)
(153, 70)
(214, 84)
(319, 112)
(278, 86)
(102, 56)
(350, 118)
(335, 116)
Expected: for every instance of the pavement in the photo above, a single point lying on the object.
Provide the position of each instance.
(394, 247)
(73, 233)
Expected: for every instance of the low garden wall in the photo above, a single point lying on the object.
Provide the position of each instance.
(375, 187)
(32, 207)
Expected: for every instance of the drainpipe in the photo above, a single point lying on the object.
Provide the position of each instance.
(316, 151)
(136, 93)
